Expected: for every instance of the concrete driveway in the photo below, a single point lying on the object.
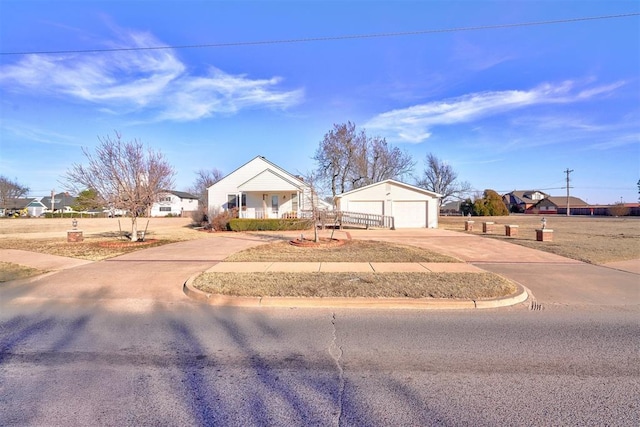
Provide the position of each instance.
(550, 278)
(157, 274)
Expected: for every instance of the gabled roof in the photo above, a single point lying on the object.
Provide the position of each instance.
(181, 194)
(266, 179)
(560, 201)
(60, 200)
(18, 203)
(525, 195)
(275, 168)
(394, 182)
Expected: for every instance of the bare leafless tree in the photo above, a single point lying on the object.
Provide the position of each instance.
(348, 159)
(336, 155)
(440, 178)
(377, 161)
(124, 174)
(205, 178)
(9, 190)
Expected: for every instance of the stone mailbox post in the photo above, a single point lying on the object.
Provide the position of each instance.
(468, 225)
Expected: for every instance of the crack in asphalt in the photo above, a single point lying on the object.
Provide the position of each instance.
(336, 353)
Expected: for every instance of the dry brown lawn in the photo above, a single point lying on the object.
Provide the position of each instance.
(50, 235)
(596, 240)
(10, 271)
(350, 251)
(350, 285)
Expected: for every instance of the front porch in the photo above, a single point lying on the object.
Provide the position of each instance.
(273, 205)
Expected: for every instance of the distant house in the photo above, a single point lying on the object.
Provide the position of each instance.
(15, 205)
(61, 202)
(557, 205)
(36, 208)
(410, 206)
(451, 208)
(519, 201)
(260, 189)
(174, 203)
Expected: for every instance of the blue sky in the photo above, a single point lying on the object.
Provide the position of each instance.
(508, 108)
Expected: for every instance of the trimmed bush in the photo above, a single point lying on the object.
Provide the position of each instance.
(242, 224)
(220, 222)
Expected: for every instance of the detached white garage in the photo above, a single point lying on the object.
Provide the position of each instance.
(411, 206)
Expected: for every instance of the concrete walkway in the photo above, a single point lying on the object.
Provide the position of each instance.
(333, 267)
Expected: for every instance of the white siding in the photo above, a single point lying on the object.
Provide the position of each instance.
(259, 177)
(410, 206)
(173, 206)
(375, 207)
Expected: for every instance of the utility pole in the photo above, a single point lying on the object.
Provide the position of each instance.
(568, 171)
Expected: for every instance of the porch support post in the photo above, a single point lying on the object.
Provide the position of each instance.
(239, 196)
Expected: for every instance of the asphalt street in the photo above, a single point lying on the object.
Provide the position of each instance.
(188, 364)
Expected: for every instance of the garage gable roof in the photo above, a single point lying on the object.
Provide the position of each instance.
(392, 182)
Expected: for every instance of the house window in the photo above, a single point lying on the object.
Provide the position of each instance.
(274, 203)
(232, 201)
(165, 208)
(294, 202)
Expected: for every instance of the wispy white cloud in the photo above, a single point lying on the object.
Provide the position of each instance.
(143, 80)
(414, 124)
(43, 136)
(616, 142)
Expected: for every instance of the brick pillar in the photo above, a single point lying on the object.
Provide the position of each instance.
(74, 236)
(487, 227)
(544, 235)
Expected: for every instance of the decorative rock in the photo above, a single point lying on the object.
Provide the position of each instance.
(74, 236)
(468, 225)
(544, 235)
(511, 230)
(487, 227)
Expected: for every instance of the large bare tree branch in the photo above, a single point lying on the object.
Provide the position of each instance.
(440, 178)
(205, 178)
(125, 176)
(347, 159)
(10, 189)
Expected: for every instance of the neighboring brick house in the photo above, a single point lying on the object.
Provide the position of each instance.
(174, 203)
(520, 200)
(557, 205)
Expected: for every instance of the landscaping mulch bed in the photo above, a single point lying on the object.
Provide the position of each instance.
(323, 242)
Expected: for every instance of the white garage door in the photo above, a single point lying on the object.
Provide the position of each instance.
(410, 214)
(375, 207)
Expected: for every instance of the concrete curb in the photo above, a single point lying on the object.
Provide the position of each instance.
(520, 296)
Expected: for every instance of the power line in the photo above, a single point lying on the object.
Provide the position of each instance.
(329, 38)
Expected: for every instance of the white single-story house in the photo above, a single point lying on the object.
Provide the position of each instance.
(411, 206)
(175, 203)
(260, 189)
